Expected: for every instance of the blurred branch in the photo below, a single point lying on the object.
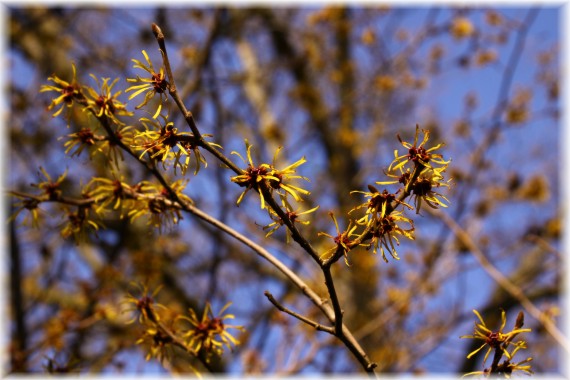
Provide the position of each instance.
(477, 160)
(19, 335)
(503, 281)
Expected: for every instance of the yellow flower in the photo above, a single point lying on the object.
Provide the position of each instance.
(422, 189)
(105, 102)
(418, 153)
(386, 230)
(159, 344)
(496, 339)
(251, 176)
(486, 56)
(163, 142)
(49, 187)
(159, 140)
(342, 240)
(462, 27)
(156, 204)
(69, 91)
(79, 224)
(210, 333)
(156, 84)
(31, 205)
(377, 205)
(80, 140)
(385, 83)
(287, 174)
(273, 178)
(293, 216)
(143, 304)
(109, 147)
(107, 191)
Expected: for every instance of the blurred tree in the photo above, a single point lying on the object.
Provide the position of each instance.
(335, 84)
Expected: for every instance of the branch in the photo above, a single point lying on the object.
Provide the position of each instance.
(335, 315)
(308, 321)
(295, 234)
(187, 114)
(18, 362)
(338, 313)
(347, 338)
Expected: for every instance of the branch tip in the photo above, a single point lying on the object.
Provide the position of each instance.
(157, 31)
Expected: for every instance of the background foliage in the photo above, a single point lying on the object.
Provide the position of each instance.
(333, 84)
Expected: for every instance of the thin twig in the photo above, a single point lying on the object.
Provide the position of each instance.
(187, 114)
(300, 317)
(338, 313)
(295, 234)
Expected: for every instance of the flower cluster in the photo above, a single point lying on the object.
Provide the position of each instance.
(501, 342)
(162, 142)
(158, 204)
(419, 171)
(101, 103)
(163, 329)
(89, 139)
(427, 173)
(267, 179)
(80, 217)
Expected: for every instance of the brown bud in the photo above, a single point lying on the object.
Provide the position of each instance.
(157, 31)
(520, 320)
